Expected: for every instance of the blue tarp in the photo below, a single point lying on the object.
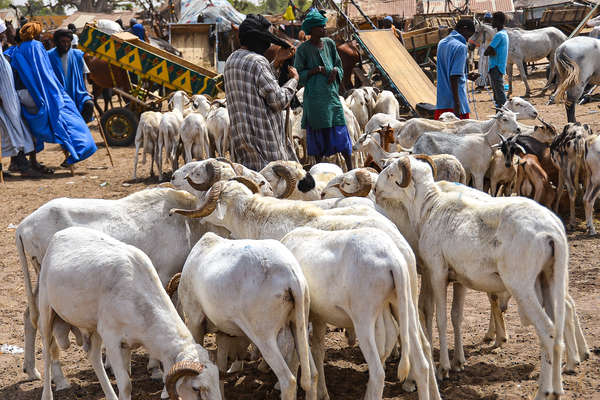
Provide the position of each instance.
(58, 120)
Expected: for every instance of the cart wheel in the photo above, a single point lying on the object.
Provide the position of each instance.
(119, 126)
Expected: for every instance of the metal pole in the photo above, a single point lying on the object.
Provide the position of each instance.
(363, 14)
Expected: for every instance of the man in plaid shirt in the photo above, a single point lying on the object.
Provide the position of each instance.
(255, 101)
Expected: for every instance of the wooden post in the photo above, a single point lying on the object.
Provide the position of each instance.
(104, 138)
(583, 22)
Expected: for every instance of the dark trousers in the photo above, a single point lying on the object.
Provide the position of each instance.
(497, 83)
(87, 111)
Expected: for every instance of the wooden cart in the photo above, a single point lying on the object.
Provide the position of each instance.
(151, 69)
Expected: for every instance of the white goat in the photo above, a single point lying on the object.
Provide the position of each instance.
(110, 291)
(357, 277)
(146, 137)
(501, 244)
(270, 294)
(128, 219)
(474, 151)
(387, 104)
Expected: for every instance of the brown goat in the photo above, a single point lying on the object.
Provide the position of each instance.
(532, 179)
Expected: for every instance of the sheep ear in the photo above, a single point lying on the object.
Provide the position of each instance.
(221, 210)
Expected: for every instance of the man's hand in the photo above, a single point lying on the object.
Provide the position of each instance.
(317, 70)
(332, 76)
(472, 76)
(490, 51)
(293, 73)
(282, 55)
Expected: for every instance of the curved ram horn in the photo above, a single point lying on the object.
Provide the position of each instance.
(179, 370)
(501, 137)
(428, 160)
(364, 185)
(209, 205)
(283, 172)
(237, 168)
(247, 182)
(404, 165)
(173, 284)
(214, 174)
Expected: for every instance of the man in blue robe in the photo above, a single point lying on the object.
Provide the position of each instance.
(70, 69)
(57, 119)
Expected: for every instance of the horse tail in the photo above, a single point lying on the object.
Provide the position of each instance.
(568, 72)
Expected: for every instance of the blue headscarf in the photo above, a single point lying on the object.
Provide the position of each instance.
(314, 18)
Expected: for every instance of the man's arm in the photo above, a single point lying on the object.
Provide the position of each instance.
(454, 87)
(277, 97)
(491, 50)
(457, 71)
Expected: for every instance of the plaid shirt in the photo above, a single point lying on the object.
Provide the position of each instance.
(255, 103)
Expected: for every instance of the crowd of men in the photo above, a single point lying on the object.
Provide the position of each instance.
(43, 99)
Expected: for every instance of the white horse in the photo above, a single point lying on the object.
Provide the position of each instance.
(578, 64)
(524, 46)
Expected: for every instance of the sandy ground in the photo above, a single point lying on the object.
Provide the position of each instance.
(509, 373)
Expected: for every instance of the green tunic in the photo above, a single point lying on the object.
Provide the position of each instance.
(322, 106)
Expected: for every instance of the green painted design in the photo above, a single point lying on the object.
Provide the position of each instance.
(98, 43)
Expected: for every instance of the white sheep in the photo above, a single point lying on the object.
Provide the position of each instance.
(387, 104)
(168, 131)
(146, 137)
(111, 292)
(217, 122)
(194, 136)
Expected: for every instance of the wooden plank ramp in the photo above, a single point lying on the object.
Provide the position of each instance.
(402, 69)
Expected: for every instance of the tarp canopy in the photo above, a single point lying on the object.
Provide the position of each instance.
(219, 12)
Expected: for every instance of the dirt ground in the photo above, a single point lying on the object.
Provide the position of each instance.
(509, 373)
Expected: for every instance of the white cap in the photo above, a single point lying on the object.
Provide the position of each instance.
(2, 26)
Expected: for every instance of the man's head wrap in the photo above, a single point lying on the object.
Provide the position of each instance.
(312, 19)
(465, 23)
(2, 26)
(255, 35)
(30, 31)
(60, 33)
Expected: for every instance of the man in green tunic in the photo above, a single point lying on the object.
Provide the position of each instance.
(320, 69)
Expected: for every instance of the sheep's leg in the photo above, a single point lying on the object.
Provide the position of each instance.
(365, 333)
(120, 361)
(478, 181)
(509, 72)
(582, 347)
(380, 335)
(523, 73)
(498, 321)
(439, 282)
(426, 305)
(45, 324)
(317, 347)
(421, 362)
(159, 155)
(458, 301)
(187, 149)
(271, 354)
(154, 370)
(29, 361)
(572, 192)
(573, 358)
(95, 356)
(592, 191)
(135, 157)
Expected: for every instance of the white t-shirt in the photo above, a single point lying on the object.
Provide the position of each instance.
(65, 62)
(75, 40)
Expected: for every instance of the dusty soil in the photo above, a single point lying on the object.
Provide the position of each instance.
(509, 373)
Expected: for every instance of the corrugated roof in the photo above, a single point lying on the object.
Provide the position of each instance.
(539, 3)
(441, 6)
(381, 8)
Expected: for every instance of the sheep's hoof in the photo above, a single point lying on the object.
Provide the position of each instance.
(458, 366)
(443, 373)
(409, 386)
(63, 385)
(569, 371)
(487, 339)
(34, 375)
(156, 374)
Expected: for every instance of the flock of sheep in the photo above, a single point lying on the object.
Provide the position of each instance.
(268, 259)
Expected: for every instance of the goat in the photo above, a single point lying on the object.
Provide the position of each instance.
(146, 137)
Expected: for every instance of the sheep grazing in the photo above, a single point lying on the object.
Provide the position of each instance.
(271, 294)
(168, 130)
(128, 219)
(146, 137)
(350, 264)
(111, 292)
(503, 237)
